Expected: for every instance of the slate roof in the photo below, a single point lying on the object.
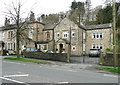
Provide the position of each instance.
(49, 26)
(100, 26)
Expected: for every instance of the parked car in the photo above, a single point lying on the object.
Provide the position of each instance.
(11, 52)
(94, 52)
(5, 52)
(49, 51)
(31, 49)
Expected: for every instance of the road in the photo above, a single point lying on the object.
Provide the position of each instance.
(23, 73)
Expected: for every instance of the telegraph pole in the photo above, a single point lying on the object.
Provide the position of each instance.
(114, 33)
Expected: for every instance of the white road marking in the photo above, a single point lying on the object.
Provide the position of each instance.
(17, 75)
(12, 80)
(63, 82)
(110, 75)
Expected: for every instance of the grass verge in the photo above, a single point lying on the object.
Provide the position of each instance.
(26, 60)
(110, 69)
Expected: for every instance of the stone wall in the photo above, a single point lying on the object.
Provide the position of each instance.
(109, 59)
(47, 56)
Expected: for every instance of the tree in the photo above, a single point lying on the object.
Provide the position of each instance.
(14, 13)
(87, 11)
(77, 12)
(74, 5)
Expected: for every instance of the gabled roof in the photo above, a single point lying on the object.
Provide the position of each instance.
(100, 26)
(66, 41)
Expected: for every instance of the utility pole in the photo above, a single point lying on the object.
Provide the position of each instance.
(114, 34)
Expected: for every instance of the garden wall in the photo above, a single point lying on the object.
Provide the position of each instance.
(47, 56)
(109, 59)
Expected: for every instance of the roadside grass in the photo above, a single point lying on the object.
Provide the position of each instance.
(110, 69)
(26, 60)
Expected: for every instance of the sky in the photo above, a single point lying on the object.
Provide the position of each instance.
(42, 6)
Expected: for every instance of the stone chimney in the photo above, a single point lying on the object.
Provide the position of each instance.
(7, 21)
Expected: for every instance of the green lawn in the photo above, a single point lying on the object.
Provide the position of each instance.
(26, 60)
(110, 69)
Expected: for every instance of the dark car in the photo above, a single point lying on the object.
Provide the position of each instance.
(5, 52)
(94, 52)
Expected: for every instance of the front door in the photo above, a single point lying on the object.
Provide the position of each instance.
(61, 48)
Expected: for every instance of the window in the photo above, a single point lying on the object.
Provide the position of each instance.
(97, 46)
(58, 34)
(73, 48)
(65, 34)
(101, 46)
(93, 35)
(101, 35)
(73, 34)
(48, 35)
(93, 46)
(45, 47)
(30, 33)
(10, 46)
(97, 35)
(10, 34)
(3, 34)
(83, 35)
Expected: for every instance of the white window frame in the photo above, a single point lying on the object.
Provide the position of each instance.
(93, 35)
(74, 48)
(65, 34)
(73, 32)
(97, 45)
(100, 34)
(58, 33)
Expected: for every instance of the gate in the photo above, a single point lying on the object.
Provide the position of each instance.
(85, 59)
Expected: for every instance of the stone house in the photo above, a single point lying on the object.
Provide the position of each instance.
(48, 38)
(68, 37)
(99, 37)
(30, 33)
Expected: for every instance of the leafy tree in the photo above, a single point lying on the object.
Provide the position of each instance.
(74, 5)
(77, 12)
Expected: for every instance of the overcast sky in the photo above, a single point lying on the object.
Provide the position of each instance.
(42, 6)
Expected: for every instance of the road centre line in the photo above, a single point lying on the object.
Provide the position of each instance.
(12, 80)
(17, 75)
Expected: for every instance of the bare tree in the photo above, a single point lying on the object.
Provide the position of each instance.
(14, 13)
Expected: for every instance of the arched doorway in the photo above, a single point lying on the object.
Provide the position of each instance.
(60, 48)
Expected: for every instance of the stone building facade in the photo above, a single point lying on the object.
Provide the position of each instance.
(68, 37)
(63, 37)
(99, 37)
